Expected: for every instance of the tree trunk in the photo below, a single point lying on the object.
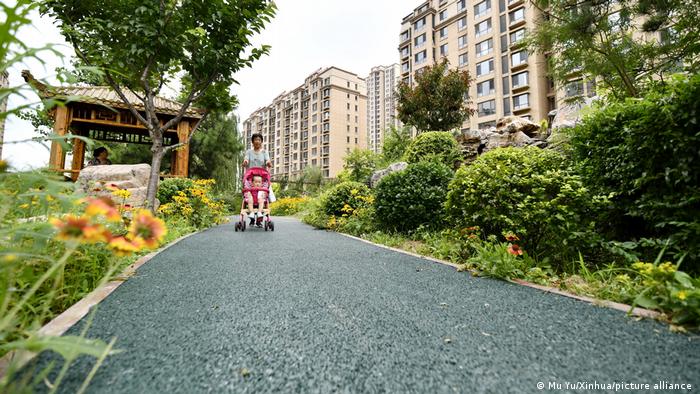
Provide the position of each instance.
(157, 150)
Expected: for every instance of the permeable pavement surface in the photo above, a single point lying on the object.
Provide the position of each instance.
(304, 310)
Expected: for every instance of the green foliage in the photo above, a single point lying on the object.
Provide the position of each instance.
(529, 192)
(288, 206)
(216, 151)
(414, 197)
(342, 196)
(669, 290)
(493, 259)
(171, 186)
(596, 38)
(434, 146)
(315, 215)
(645, 153)
(396, 141)
(197, 204)
(359, 165)
(438, 99)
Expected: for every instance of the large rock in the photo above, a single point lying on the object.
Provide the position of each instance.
(94, 180)
(516, 124)
(378, 175)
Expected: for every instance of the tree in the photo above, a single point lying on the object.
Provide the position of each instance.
(217, 151)
(396, 141)
(359, 165)
(600, 39)
(142, 45)
(438, 100)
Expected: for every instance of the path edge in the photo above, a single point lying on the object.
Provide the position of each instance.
(628, 309)
(68, 318)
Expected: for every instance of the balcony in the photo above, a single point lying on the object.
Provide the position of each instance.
(516, 24)
(512, 4)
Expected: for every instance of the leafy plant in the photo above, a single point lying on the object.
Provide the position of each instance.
(644, 153)
(359, 165)
(197, 205)
(343, 196)
(529, 192)
(288, 206)
(396, 141)
(434, 146)
(170, 188)
(414, 197)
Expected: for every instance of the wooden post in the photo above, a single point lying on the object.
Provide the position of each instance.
(78, 158)
(173, 162)
(57, 158)
(183, 153)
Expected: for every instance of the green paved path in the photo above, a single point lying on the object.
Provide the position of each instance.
(302, 310)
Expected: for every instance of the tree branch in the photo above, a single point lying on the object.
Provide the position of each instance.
(194, 95)
(189, 137)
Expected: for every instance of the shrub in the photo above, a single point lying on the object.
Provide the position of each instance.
(343, 196)
(413, 197)
(197, 205)
(169, 187)
(434, 146)
(529, 192)
(288, 206)
(645, 152)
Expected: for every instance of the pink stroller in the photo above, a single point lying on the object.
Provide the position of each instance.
(259, 201)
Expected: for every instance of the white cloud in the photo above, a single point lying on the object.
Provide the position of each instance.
(304, 35)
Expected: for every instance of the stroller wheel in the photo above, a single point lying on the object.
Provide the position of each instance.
(266, 226)
(271, 226)
(242, 226)
(237, 226)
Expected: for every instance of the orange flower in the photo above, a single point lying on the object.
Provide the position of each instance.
(512, 237)
(73, 228)
(515, 250)
(103, 206)
(122, 246)
(147, 229)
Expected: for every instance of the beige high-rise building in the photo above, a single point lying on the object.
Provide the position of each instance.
(4, 84)
(485, 38)
(315, 124)
(382, 84)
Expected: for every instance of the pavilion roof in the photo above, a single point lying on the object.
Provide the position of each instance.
(105, 95)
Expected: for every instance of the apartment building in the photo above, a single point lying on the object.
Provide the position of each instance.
(382, 84)
(315, 124)
(485, 38)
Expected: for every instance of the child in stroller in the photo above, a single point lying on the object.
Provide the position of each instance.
(256, 192)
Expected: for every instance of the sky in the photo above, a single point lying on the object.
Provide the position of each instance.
(304, 36)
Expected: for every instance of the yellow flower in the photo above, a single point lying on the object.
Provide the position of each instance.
(24, 206)
(643, 268)
(122, 193)
(103, 206)
(123, 247)
(147, 229)
(49, 198)
(354, 191)
(8, 258)
(624, 278)
(79, 229)
(667, 267)
(682, 295)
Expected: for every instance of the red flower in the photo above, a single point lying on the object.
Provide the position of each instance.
(515, 250)
(512, 237)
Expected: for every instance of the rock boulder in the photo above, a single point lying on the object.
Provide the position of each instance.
(94, 180)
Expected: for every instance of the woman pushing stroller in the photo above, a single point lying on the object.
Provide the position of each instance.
(257, 190)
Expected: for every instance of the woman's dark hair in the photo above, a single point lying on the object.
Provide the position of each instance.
(98, 151)
(256, 135)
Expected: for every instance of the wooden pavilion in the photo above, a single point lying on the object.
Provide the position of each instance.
(97, 112)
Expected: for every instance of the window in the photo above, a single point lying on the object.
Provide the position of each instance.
(420, 57)
(419, 24)
(504, 43)
(503, 24)
(420, 40)
(485, 88)
(518, 58)
(521, 101)
(443, 15)
(506, 106)
(520, 80)
(574, 88)
(443, 49)
(484, 48)
(517, 36)
(462, 23)
(462, 41)
(506, 85)
(443, 32)
(482, 8)
(461, 5)
(517, 15)
(404, 36)
(483, 27)
(463, 60)
(487, 108)
(590, 88)
(484, 68)
(404, 52)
